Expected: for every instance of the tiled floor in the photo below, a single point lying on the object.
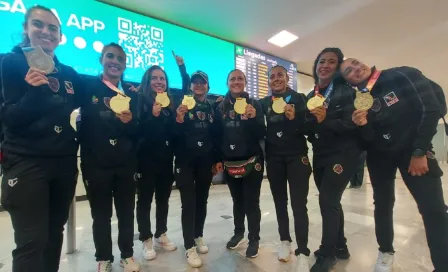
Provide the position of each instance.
(410, 242)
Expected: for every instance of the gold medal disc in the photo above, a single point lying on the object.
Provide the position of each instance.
(278, 106)
(189, 102)
(363, 101)
(38, 59)
(163, 99)
(120, 103)
(315, 102)
(240, 105)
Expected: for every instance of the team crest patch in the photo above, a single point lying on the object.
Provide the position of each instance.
(113, 142)
(107, 101)
(430, 155)
(191, 116)
(69, 87)
(57, 129)
(258, 166)
(94, 100)
(232, 114)
(305, 161)
(210, 117)
(137, 176)
(53, 83)
(390, 99)
(337, 168)
(201, 115)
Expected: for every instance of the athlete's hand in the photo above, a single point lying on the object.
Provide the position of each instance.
(36, 77)
(179, 59)
(125, 116)
(320, 113)
(250, 112)
(181, 110)
(290, 112)
(156, 109)
(359, 117)
(418, 166)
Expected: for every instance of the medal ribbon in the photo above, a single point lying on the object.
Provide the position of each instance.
(111, 86)
(372, 81)
(327, 92)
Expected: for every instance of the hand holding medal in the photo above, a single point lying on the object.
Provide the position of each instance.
(163, 99)
(156, 109)
(290, 111)
(364, 100)
(359, 117)
(189, 102)
(38, 59)
(250, 111)
(120, 102)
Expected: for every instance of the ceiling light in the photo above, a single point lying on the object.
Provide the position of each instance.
(283, 38)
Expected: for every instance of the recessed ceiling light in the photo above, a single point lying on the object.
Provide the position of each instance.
(283, 38)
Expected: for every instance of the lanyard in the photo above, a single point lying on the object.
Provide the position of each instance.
(328, 91)
(111, 86)
(372, 81)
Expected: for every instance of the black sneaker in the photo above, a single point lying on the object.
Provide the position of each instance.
(323, 264)
(341, 253)
(236, 241)
(252, 249)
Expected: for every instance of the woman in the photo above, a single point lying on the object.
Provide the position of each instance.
(109, 159)
(399, 128)
(156, 157)
(39, 146)
(336, 154)
(287, 161)
(239, 142)
(196, 155)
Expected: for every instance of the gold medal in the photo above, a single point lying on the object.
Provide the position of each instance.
(163, 99)
(315, 102)
(38, 59)
(189, 102)
(278, 106)
(120, 103)
(240, 105)
(363, 101)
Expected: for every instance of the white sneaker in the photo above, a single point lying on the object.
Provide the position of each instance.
(164, 242)
(193, 258)
(302, 264)
(284, 251)
(202, 248)
(148, 250)
(384, 263)
(104, 266)
(129, 265)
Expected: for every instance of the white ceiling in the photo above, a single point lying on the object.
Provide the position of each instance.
(386, 33)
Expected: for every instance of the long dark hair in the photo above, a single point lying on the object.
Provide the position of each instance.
(226, 104)
(25, 39)
(336, 77)
(117, 46)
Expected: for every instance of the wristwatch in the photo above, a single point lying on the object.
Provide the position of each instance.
(418, 153)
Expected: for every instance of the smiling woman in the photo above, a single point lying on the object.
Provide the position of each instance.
(41, 28)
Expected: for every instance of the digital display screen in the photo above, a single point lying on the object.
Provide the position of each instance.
(88, 25)
(256, 66)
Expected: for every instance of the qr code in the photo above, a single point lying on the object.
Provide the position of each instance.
(143, 44)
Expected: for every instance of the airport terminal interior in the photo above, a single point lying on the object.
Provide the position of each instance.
(219, 36)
